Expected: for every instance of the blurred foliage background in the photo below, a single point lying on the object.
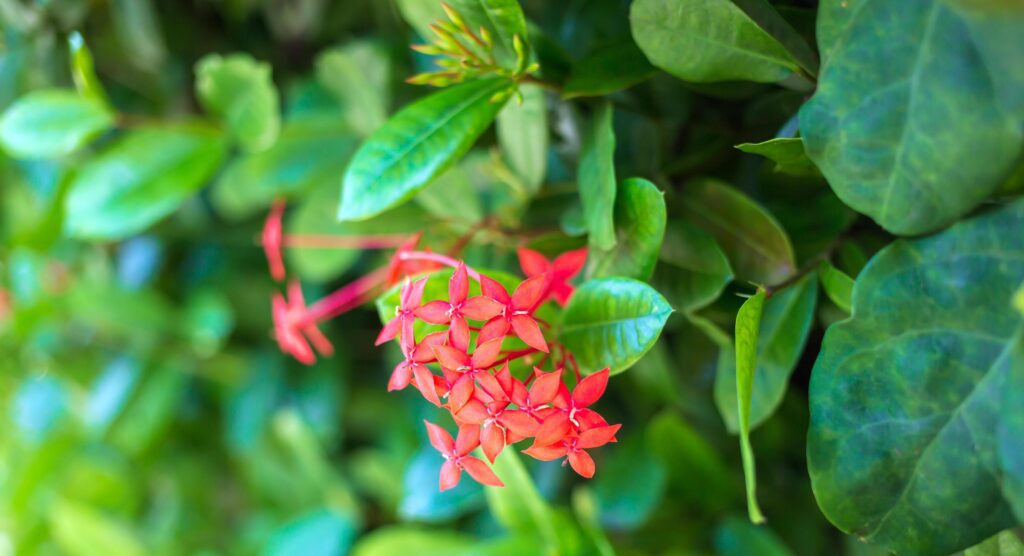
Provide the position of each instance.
(145, 407)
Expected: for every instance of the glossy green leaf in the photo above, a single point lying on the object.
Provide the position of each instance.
(755, 243)
(523, 136)
(693, 270)
(1003, 544)
(319, 533)
(705, 41)
(747, 327)
(612, 322)
(908, 393)
(785, 324)
(416, 145)
(640, 227)
(139, 180)
(359, 75)
(83, 70)
(80, 530)
(240, 90)
(52, 122)
(736, 537)
(837, 285)
(403, 540)
(608, 69)
(786, 152)
(907, 123)
(596, 178)
(309, 154)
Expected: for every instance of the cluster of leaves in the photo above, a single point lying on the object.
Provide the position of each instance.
(869, 150)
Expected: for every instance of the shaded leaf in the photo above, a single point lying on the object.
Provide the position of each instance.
(239, 90)
(747, 326)
(736, 537)
(640, 227)
(518, 505)
(786, 152)
(608, 69)
(694, 270)
(523, 136)
(596, 178)
(52, 122)
(359, 75)
(837, 285)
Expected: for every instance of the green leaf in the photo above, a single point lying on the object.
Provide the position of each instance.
(837, 285)
(747, 327)
(736, 537)
(421, 498)
(1002, 544)
(908, 393)
(83, 531)
(608, 69)
(52, 122)
(1011, 431)
(694, 270)
(309, 154)
(503, 19)
(640, 226)
(320, 533)
(416, 145)
(705, 41)
(518, 506)
(629, 487)
(240, 90)
(359, 75)
(784, 326)
(915, 132)
(690, 459)
(1018, 300)
(787, 153)
(612, 322)
(83, 70)
(755, 243)
(403, 540)
(523, 136)
(453, 196)
(139, 180)
(596, 178)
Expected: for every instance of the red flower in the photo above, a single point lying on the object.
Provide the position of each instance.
(571, 414)
(412, 293)
(458, 308)
(462, 370)
(573, 447)
(292, 328)
(498, 425)
(414, 366)
(273, 238)
(534, 402)
(565, 267)
(456, 456)
(516, 311)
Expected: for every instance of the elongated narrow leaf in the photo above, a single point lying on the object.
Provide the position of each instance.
(608, 69)
(640, 227)
(612, 322)
(787, 153)
(416, 145)
(837, 285)
(240, 90)
(748, 323)
(909, 392)
(139, 180)
(52, 122)
(694, 270)
(705, 41)
(596, 178)
(916, 132)
(523, 136)
(83, 70)
(755, 243)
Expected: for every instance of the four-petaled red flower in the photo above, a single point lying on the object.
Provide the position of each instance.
(456, 455)
(292, 330)
(458, 308)
(564, 268)
(409, 299)
(462, 370)
(516, 311)
(571, 414)
(573, 448)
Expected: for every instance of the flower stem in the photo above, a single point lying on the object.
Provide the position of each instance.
(326, 241)
(344, 299)
(437, 258)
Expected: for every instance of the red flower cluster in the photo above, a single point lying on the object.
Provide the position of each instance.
(491, 407)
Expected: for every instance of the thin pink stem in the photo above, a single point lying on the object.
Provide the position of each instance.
(437, 258)
(344, 299)
(325, 241)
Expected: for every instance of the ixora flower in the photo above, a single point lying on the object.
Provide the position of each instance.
(492, 407)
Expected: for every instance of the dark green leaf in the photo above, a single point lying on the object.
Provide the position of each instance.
(747, 327)
(914, 132)
(596, 178)
(785, 324)
(787, 153)
(756, 245)
(139, 180)
(694, 270)
(908, 393)
(706, 41)
(690, 459)
(52, 122)
(837, 285)
(736, 537)
(612, 322)
(523, 136)
(240, 90)
(1011, 431)
(640, 227)
(416, 145)
(629, 487)
(608, 69)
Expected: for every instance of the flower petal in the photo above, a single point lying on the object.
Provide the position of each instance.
(400, 377)
(481, 308)
(582, 463)
(491, 387)
(519, 422)
(473, 413)
(545, 387)
(415, 295)
(492, 440)
(461, 392)
(590, 389)
(480, 472)
(530, 292)
(435, 312)
(451, 358)
(546, 453)
(272, 240)
(532, 262)
(450, 475)
(425, 384)
(494, 328)
(458, 333)
(599, 436)
(468, 439)
(389, 331)
(486, 353)
(568, 264)
(527, 330)
(494, 290)
(440, 439)
(553, 429)
(458, 286)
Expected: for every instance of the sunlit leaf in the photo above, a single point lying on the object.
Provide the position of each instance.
(640, 227)
(747, 326)
(52, 122)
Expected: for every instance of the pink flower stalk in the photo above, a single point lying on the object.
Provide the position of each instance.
(272, 240)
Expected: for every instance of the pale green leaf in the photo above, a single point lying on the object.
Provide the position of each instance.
(596, 178)
(52, 122)
(239, 90)
(747, 327)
